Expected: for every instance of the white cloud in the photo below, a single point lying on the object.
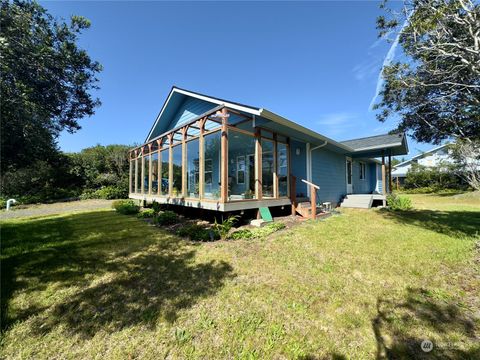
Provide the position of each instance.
(335, 124)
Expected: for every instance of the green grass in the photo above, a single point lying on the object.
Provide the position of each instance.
(360, 285)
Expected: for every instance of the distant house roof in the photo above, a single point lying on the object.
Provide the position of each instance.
(431, 151)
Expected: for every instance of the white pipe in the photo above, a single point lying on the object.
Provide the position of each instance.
(10, 202)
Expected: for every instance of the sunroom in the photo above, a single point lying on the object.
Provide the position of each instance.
(219, 160)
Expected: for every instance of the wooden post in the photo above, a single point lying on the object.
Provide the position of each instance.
(159, 167)
(170, 165)
(275, 167)
(313, 193)
(258, 165)
(390, 185)
(293, 193)
(150, 169)
(136, 173)
(184, 160)
(224, 158)
(384, 185)
(130, 172)
(142, 172)
(201, 160)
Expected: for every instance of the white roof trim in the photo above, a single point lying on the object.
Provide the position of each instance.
(421, 155)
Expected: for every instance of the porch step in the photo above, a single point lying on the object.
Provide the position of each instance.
(363, 201)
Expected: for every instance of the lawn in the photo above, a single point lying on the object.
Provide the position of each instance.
(362, 284)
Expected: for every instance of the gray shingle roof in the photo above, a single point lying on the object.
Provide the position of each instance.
(372, 142)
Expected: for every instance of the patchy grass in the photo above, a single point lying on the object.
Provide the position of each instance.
(363, 284)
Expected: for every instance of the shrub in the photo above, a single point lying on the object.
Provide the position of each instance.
(126, 207)
(223, 228)
(146, 214)
(398, 203)
(106, 192)
(166, 218)
(197, 233)
(433, 179)
(258, 232)
(156, 207)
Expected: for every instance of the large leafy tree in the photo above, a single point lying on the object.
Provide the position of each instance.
(46, 82)
(435, 86)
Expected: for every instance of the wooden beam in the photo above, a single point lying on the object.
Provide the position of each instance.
(390, 185)
(201, 160)
(130, 173)
(293, 194)
(224, 158)
(275, 167)
(384, 185)
(184, 160)
(149, 169)
(313, 194)
(170, 165)
(142, 173)
(258, 165)
(159, 167)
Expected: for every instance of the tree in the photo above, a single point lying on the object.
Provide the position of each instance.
(45, 84)
(467, 157)
(435, 88)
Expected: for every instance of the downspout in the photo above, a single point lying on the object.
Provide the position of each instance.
(309, 161)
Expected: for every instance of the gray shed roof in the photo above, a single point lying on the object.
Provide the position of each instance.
(394, 144)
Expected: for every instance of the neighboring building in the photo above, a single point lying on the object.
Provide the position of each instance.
(215, 154)
(430, 158)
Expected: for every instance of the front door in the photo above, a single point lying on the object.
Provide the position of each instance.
(349, 176)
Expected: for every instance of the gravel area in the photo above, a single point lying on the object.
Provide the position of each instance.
(55, 208)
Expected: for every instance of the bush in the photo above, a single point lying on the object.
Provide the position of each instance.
(156, 207)
(126, 207)
(398, 203)
(198, 233)
(223, 228)
(106, 192)
(146, 214)
(258, 232)
(166, 218)
(433, 179)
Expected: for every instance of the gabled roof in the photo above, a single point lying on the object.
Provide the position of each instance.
(395, 143)
(431, 151)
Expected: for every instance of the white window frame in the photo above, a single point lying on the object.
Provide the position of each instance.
(363, 171)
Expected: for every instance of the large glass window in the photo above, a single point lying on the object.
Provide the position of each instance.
(177, 171)
(282, 171)
(193, 164)
(155, 172)
(241, 166)
(164, 171)
(212, 151)
(138, 178)
(268, 168)
(132, 176)
(146, 167)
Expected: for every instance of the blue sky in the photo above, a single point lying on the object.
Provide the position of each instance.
(316, 63)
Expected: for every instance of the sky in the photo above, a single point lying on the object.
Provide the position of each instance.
(315, 63)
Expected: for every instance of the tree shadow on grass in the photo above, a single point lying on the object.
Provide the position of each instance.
(452, 223)
(118, 271)
(396, 322)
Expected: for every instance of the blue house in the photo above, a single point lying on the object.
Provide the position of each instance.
(214, 154)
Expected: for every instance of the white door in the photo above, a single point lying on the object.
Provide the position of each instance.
(349, 175)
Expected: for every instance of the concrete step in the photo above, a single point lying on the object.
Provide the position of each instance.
(357, 201)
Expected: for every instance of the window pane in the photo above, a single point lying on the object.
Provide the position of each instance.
(132, 176)
(241, 148)
(164, 172)
(139, 175)
(268, 166)
(212, 165)
(155, 173)
(146, 164)
(177, 170)
(193, 168)
(282, 163)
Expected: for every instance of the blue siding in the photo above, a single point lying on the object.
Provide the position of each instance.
(298, 166)
(188, 110)
(367, 185)
(329, 172)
